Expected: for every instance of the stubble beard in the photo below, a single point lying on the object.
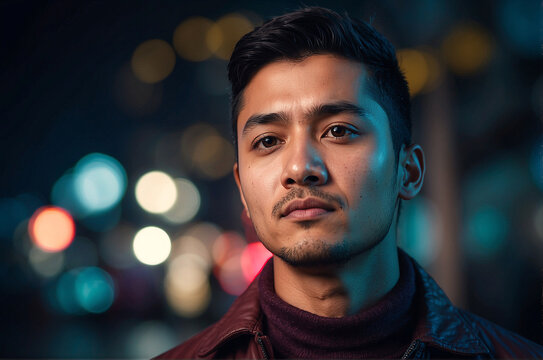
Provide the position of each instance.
(315, 252)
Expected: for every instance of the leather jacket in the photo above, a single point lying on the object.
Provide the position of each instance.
(444, 331)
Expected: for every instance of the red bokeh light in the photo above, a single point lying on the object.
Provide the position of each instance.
(253, 258)
(51, 228)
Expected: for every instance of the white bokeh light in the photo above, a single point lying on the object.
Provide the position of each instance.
(156, 192)
(152, 245)
(187, 204)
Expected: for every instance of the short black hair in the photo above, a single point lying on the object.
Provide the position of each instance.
(313, 31)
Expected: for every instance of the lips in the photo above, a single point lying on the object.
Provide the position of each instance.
(306, 209)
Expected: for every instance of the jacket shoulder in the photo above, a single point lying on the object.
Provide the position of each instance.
(502, 342)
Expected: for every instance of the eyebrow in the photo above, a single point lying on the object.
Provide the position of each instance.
(317, 111)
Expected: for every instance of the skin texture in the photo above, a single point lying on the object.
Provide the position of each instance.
(310, 131)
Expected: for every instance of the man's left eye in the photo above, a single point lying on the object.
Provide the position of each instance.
(338, 131)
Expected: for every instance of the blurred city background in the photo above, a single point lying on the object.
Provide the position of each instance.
(120, 228)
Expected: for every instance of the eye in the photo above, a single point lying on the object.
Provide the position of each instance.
(266, 142)
(340, 131)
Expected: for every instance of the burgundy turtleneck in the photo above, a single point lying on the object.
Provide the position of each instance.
(383, 330)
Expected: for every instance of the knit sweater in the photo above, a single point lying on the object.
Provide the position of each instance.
(383, 330)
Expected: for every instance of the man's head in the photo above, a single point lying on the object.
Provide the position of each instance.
(311, 31)
(322, 128)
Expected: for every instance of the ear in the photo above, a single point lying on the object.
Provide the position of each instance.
(238, 183)
(411, 169)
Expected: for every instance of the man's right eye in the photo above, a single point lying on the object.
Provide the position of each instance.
(266, 142)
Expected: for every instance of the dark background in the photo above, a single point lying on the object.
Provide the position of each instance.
(68, 90)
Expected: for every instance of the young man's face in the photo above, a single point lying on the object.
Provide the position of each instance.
(316, 167)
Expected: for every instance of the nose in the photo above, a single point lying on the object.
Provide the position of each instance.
(304, 167)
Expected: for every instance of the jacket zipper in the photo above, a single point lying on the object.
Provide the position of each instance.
(262, 347)
(410, 349)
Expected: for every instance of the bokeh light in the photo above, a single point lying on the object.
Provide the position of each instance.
(421, 69)
(203, 232)
(152, 245)
(156, 192)
(253, 258)
(187, 202)
(66, 296)
(206, 152)
(229, 243)
(148, 339)
(520, 23)
(51, 228)
(227, 252)
(99, 182)
(94, 289)
(225, 33)
(63, 195)
(153, 61)
(187, 285)
(192, 245)
(189, 38)
(419, 230)
(467, 48)
(44, 263)
(94, 187)
(487, 231)
(230, 275)
(85, 290)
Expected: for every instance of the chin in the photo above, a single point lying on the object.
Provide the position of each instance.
(311, 253)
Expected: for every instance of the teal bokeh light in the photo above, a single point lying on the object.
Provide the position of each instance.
(66, 296)
(94, 290)
(488, 229)
(99, 183)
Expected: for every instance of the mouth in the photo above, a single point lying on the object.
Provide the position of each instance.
(307, 209)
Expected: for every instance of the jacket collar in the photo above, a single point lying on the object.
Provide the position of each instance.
(243, 318)
(440, 324)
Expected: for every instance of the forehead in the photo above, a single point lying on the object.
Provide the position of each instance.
(288, 85)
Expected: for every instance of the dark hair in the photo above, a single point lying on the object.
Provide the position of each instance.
(315, 30)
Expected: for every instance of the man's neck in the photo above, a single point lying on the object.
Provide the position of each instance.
(336, 291)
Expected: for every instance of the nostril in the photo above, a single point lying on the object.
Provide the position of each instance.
(311, 179)
(290, 181)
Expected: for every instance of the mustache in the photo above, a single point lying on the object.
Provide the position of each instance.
(302, 193)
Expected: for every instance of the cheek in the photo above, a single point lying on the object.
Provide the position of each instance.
(258, 180)
(365, 175)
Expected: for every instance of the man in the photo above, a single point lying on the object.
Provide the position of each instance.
(321, 120)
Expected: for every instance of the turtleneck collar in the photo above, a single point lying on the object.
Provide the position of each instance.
(381, 331)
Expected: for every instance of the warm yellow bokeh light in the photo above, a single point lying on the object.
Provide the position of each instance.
(153, 61)
(214, 156)
(187, 244)
(187, 285)
(467, 48)
(225, 33)
(206, 152)
(152, 245)
(421, 69)
(156, 192)
(187, 204)
(189, 39)
(51, 228)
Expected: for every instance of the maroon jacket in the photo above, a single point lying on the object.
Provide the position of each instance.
(442, 331)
